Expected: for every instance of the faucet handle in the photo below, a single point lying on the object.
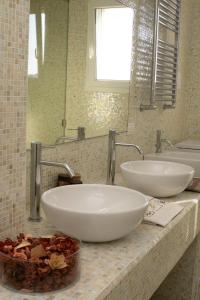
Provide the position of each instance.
(81, 132)
(114, 132)
(159, 131)
(42, 146)
(72, 129)
(45, 146)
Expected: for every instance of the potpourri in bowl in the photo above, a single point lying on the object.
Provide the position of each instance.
(39, 264)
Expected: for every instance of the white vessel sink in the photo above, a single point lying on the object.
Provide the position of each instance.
(94, 213)
(189, 145)
(157, 178)
(185, 157)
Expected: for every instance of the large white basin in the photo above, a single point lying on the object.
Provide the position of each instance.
(185, 157)
(157, 178)
(93, 212)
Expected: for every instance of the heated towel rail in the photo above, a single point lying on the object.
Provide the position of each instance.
(165, 55)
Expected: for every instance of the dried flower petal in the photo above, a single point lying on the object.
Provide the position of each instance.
(57, 261)
(22, 245)
(48, 236)
(38, 251)
(7, 247)
(21, 255)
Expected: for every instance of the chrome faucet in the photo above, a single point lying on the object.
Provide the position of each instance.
(160, 141)
(35, 178)
(112, 155)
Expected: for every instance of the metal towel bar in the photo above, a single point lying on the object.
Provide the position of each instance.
(165, 54)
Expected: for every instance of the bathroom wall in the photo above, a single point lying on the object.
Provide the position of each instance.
(192, 71)
(13, 92)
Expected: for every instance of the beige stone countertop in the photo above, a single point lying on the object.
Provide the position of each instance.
(132, 267)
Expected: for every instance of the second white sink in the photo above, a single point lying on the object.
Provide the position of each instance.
(184, 157)
(94, 212)
(157, 178)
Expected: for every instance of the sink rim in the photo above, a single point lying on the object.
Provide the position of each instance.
(189, 169)
(143, 205)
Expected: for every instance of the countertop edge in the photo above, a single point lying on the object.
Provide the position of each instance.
(137, 282)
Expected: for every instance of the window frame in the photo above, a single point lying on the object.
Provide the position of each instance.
(92, 84)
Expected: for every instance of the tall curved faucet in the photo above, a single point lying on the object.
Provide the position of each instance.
(112, 155)
(35, 178)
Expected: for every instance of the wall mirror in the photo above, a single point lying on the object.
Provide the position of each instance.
(78, 68)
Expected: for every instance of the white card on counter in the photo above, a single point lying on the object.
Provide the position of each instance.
(161, 213)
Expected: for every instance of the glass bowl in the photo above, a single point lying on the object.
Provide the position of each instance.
(31, 271)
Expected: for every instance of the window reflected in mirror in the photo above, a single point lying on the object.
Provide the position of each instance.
(32, 47)
(113, 43)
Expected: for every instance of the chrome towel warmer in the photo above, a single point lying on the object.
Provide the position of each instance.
(165, 55)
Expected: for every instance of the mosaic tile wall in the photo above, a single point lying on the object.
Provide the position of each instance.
(13, 93)
(192, 71)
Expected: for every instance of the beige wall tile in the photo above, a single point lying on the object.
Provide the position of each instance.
(13, 92)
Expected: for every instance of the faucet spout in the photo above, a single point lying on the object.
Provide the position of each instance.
(65, 166)
(133, 146)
